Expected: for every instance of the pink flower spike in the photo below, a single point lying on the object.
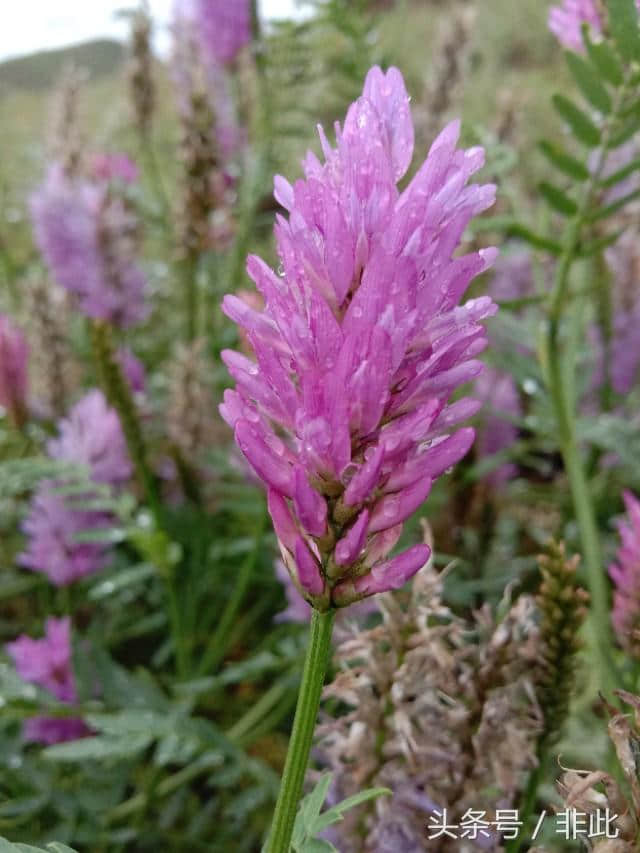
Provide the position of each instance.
(343, 407)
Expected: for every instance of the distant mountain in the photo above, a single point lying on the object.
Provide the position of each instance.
(41, 70)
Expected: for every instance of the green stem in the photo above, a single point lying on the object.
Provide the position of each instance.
(189, 275)
(153, 172)
(119, 395)
(560, 377)
(295, 767)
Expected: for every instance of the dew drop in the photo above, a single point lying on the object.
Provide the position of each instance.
(391, 507)
(530, 386)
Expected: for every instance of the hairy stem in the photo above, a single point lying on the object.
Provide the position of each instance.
(315, 666)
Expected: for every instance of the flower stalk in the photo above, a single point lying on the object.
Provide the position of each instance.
(560, 380)
(313, 674)
(119, 395)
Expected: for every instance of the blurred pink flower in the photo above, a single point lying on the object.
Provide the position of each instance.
(47, 663)
(52, 527)
(108, 167)
(625, 574)
(14, 354)
(91, 435)
(88, 236)
(223, 28)
(566, 21)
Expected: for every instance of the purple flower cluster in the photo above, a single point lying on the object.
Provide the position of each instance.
(14, 354)
(47, 663)
(566, 21)
(88, 236)
(625, 574)
(223, 28)
(90, 436)
(198, 70)
(344, 412)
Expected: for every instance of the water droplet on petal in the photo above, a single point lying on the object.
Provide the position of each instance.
(391, 506)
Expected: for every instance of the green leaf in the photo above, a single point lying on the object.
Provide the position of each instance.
(623, 23)
(614, 207)
(580, 124)
(587, 250)
(605, 60)
(615, 177)
(567, 164)
(558, 199)
(625, 133)
(99, 748)
(13, 689)
(510, 227)
(588, 80)
(53, 847)
(311, 805)
(317, 845)
(335, 814)
(121, 580)
(309, 822)
(22, 475)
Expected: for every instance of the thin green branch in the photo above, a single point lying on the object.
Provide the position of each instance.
(302, 734)
(560, 381)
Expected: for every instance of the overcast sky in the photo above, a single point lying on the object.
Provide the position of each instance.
(30, 25)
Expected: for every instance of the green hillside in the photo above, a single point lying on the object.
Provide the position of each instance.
(37, 70)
